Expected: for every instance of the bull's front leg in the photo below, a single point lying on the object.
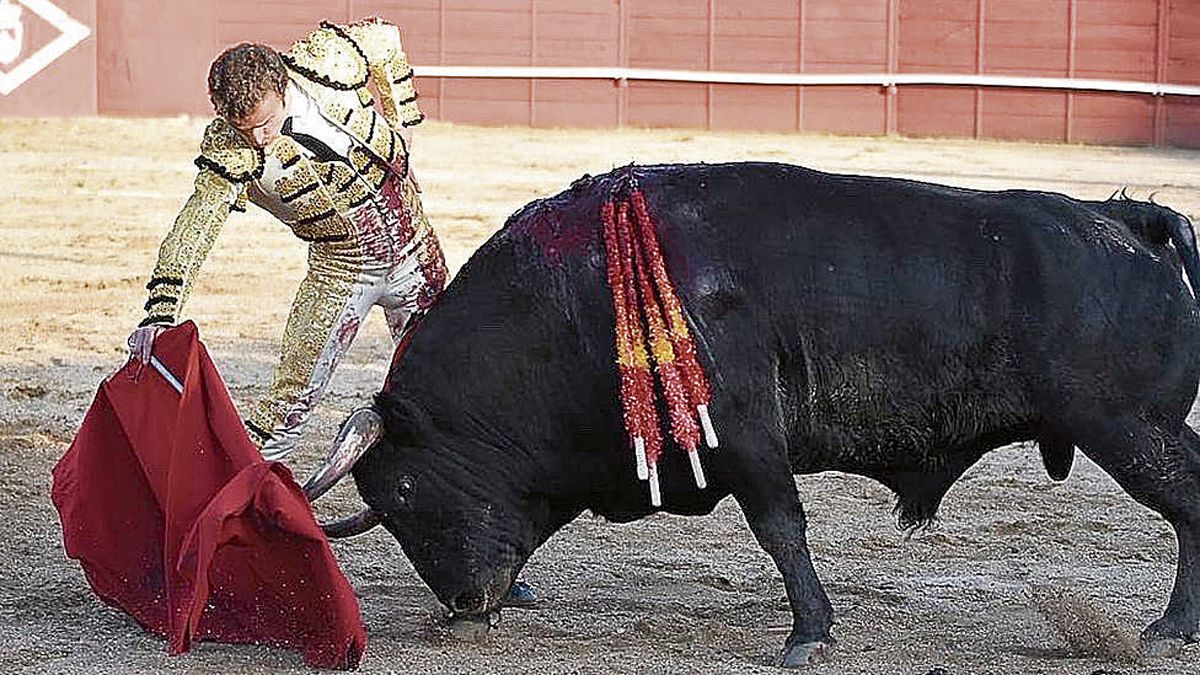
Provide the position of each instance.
(768, 498)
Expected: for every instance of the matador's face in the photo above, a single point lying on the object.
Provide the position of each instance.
(263, 124)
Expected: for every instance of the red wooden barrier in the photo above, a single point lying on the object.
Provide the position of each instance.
(151, 57)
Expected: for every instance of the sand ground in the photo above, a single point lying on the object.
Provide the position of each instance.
(84, 203)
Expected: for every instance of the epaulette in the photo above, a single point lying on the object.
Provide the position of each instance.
(226, 152)
(379, 40)
(329, 56)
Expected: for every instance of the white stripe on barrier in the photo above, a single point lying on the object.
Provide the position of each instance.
(878, 79)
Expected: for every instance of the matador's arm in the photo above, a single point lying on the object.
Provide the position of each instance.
(226, 162)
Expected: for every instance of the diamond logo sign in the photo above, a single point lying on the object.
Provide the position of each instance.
(15, 16)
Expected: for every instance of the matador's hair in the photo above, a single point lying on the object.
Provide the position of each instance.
(241, 76)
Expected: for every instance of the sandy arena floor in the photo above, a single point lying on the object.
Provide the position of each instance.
(84, 204)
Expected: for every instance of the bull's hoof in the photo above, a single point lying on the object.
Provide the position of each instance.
(806, 654)
(1158, 647)
(1166, 637)
(472, 628)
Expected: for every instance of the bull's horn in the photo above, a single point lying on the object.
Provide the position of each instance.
(358, 432)
(351, 526)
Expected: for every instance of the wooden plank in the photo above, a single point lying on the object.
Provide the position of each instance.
(666, 104)
(243, 20)
(845, 46)
(935, 111)
(1183, 43)
(1123, 119)
(1028, 115)
(751, 53)
(664, 42)
(1119, 12)
(756, 10)
(1183, 122)
(747, 107)
(480, 101)
(575, 103)
(495, 36)
(140, 69)
(847, 11)
(671, 10)
(574, 38)
(844, 110)
(937, 45)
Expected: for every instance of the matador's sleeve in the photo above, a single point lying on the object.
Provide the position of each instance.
(389, 68)
(226, 164)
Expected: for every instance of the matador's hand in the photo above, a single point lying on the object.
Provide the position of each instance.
(141, 341)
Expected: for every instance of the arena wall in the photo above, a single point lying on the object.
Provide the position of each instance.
(149, 58)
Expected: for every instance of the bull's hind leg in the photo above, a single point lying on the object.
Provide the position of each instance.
(1162, 472)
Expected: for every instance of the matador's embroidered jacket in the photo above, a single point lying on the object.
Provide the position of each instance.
(333, 66)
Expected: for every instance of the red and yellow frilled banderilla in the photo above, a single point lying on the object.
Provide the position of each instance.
(651, 330)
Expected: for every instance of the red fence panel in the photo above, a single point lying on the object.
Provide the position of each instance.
(148, 58)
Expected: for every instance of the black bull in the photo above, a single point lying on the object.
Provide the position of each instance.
(887, 328)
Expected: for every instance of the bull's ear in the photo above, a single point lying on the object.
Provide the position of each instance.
(403, 419)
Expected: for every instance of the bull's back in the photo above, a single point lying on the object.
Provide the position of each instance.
(907, 318)
(892, 318)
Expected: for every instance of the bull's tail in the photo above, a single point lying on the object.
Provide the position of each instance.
(1157, 225)
(1183, 237)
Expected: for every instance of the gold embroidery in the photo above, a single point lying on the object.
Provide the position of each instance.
(388, 66)
(319, 302)
(298, 182)
(329, 58)
(318, 218)
(346, 188)
(239, 204)
(361, 123)
(187, 244)
(404, 92)
(225, 151)
(286, 151)
(368, 166)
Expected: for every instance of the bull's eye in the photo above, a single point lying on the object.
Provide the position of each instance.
(403, 489)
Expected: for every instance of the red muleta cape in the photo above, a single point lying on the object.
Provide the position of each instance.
(178, 520)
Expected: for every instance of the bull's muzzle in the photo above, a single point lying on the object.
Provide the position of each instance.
(481, 601)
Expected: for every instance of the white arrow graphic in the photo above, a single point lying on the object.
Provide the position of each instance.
(72, 34)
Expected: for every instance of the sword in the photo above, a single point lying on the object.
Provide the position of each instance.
(166, 374)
